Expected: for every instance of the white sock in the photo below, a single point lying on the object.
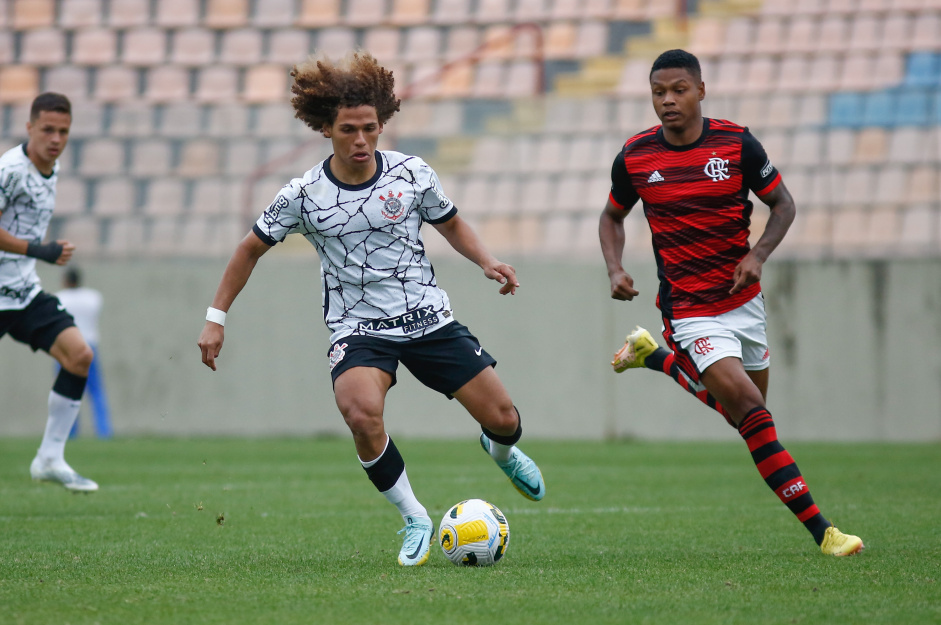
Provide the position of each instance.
(402, 497)
(499, 452)
(62, 415)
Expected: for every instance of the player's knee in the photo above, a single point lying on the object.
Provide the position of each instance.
(362, 419)
(505, 419)
(79, 361)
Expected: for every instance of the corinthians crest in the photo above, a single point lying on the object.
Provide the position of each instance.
(392, 208)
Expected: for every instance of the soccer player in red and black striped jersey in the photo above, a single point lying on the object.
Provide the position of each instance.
(693, 175)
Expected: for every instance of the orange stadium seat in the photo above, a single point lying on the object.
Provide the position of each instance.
(199, 158)
(461, 41)
(834, 31)
(80, 14)
(88, 117)
(769, 35)
(6, 47)
(489, 80)
(336, 42)
(559, 40)
(319, 13)
(739, 36)
(224, 14)
(591, 39)
(266, 83)
(29, 14)
(18, 83)
(409, 12)
(499, 42)
(422, 43)
(802, 35)
(71, 196)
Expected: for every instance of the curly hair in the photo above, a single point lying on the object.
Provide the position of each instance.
(321, 87)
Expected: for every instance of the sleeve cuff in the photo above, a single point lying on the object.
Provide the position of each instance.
(771, 186)
(264, 237)
(451, 213)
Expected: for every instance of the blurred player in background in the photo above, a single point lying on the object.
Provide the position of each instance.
(84, 304)
(693, 175)
(362, 209)
(27, 313)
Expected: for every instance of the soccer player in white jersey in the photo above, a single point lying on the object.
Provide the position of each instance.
(27, 313)
(362, 210)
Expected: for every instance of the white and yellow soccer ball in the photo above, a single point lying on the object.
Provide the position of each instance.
(474, 533)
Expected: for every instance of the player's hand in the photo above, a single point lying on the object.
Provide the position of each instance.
(505, 275)
(622, 286)
(747, 273)
(210, 343)
(67, 250)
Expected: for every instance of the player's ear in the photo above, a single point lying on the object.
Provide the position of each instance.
(702, 91)
(381, 126)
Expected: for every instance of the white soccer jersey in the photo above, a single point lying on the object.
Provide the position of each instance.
(27, 199)
(376, 278)
(84, 304)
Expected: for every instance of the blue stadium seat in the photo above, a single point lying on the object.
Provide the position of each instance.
(924, 69)
(914, 107)
(846, 110)
(879, 108)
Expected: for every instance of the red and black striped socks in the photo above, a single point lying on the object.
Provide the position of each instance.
(664, 360)
(780, 471)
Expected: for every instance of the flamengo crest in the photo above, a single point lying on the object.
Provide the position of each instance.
(392, 209)
(717, 169)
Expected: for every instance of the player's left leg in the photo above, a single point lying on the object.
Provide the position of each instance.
(488, 401)
(75, 356)
(727, 380)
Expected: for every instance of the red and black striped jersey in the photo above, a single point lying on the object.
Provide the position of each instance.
(696, 202)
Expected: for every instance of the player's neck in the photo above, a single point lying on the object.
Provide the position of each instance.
(44, 167)
(689, 134)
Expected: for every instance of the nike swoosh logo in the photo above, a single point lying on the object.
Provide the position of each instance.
(478, 350)
(421, 545)
(320, 221)
(530, 488)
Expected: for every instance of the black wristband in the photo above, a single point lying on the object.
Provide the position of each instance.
(49, 252)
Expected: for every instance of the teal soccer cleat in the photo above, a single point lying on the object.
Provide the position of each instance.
(417, 543)
(522, 471)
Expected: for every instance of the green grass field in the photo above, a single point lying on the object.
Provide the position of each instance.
(292, 531)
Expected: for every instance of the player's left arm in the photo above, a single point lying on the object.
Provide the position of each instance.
(465, 241)
(762, 177)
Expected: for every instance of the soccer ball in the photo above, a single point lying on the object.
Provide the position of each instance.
(474, 533)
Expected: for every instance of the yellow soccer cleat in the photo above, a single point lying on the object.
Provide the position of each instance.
(637, 346)
(836, 543)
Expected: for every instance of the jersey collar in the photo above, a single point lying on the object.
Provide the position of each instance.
(684, 148)
(354, 187)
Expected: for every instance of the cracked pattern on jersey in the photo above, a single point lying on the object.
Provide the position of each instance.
(27, 200)
(376, 277)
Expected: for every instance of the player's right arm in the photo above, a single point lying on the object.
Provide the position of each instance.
(58, 252)
(611, 230)
(234, 278)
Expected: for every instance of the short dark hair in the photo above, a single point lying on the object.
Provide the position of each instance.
(678, 59)
(49, 101)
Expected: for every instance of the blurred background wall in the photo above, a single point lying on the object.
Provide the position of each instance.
(183, 132)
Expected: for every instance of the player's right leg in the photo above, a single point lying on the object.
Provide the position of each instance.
(360, 395)
(641, 350)
(52, 329)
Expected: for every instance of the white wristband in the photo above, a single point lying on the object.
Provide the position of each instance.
(215, 315)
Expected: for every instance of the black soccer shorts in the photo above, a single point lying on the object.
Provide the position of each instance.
(443, 360)
(39, 323)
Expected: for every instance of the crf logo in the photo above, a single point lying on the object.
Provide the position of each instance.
(793, 489)
(703, 346)
(717, 169)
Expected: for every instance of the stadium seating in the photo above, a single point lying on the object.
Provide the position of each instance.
(177, 102)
